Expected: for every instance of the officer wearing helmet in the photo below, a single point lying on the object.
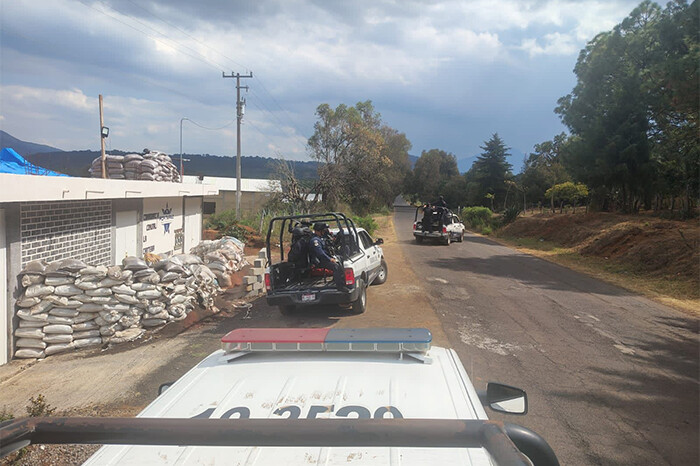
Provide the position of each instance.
(320, 257)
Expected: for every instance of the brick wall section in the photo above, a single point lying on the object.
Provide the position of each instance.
(67, 229)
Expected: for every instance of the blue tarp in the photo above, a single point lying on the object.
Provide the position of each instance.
(12, 162)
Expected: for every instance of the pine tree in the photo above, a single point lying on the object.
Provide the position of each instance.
(490, 171)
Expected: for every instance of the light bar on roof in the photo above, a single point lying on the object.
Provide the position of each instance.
(390, 340)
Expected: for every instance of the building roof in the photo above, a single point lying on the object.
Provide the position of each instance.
(255, 185)
(23, 188)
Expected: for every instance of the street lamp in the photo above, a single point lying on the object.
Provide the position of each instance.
(182, 169)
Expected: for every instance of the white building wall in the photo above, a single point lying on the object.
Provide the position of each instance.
(162, 227)
(193, 222)
(5, 321)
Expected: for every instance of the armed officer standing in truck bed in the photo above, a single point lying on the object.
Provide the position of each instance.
(320, 257)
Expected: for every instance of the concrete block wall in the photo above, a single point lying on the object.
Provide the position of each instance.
(66, 229)
(255, 281)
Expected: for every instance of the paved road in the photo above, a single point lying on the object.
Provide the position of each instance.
(612, 377)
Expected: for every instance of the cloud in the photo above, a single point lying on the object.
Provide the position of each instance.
(553, 44)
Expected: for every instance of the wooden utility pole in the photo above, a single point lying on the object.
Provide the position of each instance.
(239, 117)
(102, 142)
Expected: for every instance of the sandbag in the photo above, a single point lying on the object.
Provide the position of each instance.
(24, 314)
(91, 307)
(63, 312)
(114, 272)
(86, 284)
(84, 342)
(38, 290)
(143, 286)
(59, 320)
(99, 292)
(110, 282)
(110, 316)
(58, 328)
(104, 300)
(99, 271)
(84, 317)
(187, 259)
(31, 279)
(71, 265)
(55, 281)
(129, 321)
(36, 266)
(42, 307)
(58, 301)
(67, 290)
(28, 302)
(28, 353)
(129, 334)
(125, 298)
(91, 333)
(83, 326)
(30, 324)
(148, 294)
(123, 289)
(58, 348)
(58, 338)
(109, 330)
(29, 333)
(30, 343)
(152, 322)
(134, 263)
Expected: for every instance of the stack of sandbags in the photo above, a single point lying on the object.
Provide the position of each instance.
(223, 256)
(151, 166)
(114, 165)
(68, 304)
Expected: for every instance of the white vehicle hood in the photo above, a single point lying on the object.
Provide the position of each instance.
(324, 385)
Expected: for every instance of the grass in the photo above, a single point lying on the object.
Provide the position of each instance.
(681, 294)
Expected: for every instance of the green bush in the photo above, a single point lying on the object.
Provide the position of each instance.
(5, 415)
(367, 223)
(510, 214)
(486, 230)
(39, 407)
(226, 223)
(477, 217)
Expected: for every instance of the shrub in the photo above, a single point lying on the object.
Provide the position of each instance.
(486, 230)
(510, 214)
(367, 223)
(39, 407)
(226, 223)
(5, 415)
(477, 217)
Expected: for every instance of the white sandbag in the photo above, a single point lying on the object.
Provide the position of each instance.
(100, 321)
(125, 298)
(58, 338)
(155, 309)
(57, 301)
(31, 279)
(60, 320)
(91, 333)
(82, 297)
(187, 259)
(86, 284)
(129, 334)
(114, 272)
(63, 312)
(152, 322)
(85, 342)
(30, 324)
(36, 266)
(99, 271)
(134, 311)
(129, 321)
(28, 353)
(42, 307)
(71, 303)
(83, 326)
(110, 316)
(152, 278)
(24, 301)
(30, 343)
(143, 286)
(134, 263)
(123, 289)
(24, 314)
(180, 298)
(58, 348)
(121, 307)
(84, 317)
(104, 300)
(224, 279)
(58, 328)
(110, 282)
(176, 310)
(29, 333)
(71, 265)
(67, 290)
(38, 290)
(161, 315)
(99, 292)
(149, 294)
(91, 307)
(55, 281)
(169, 277)
(109, 330)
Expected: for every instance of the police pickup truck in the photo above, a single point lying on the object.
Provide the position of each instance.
(294, 280)
(293, 397)
(445, 226)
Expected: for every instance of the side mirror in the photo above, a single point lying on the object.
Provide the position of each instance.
(379, 241)
(505, 399)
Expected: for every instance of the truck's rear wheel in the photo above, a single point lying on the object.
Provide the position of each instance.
(447, 240)
(360, 304)
(287, 310)
(382, 275)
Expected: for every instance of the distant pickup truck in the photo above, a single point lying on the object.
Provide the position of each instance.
(446, 226)
(291, 284)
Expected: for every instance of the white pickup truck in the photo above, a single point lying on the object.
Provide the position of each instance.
(445, 226)
(291, 284)
(373, 396)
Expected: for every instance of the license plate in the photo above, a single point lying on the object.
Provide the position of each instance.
(308, 297)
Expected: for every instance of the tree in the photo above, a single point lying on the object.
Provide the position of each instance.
(567, 192)
(543, 168)
(490, 171)
(432, 172)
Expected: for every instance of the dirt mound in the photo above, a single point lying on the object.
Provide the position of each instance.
(648, 244)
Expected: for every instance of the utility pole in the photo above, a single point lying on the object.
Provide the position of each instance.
(102, 141)
(239, 117)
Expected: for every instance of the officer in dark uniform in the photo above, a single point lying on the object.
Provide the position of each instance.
(427, 218)
(320, 257)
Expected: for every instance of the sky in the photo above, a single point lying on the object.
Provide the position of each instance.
(448, 74)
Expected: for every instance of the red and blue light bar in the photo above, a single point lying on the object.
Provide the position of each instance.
(392, 340)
